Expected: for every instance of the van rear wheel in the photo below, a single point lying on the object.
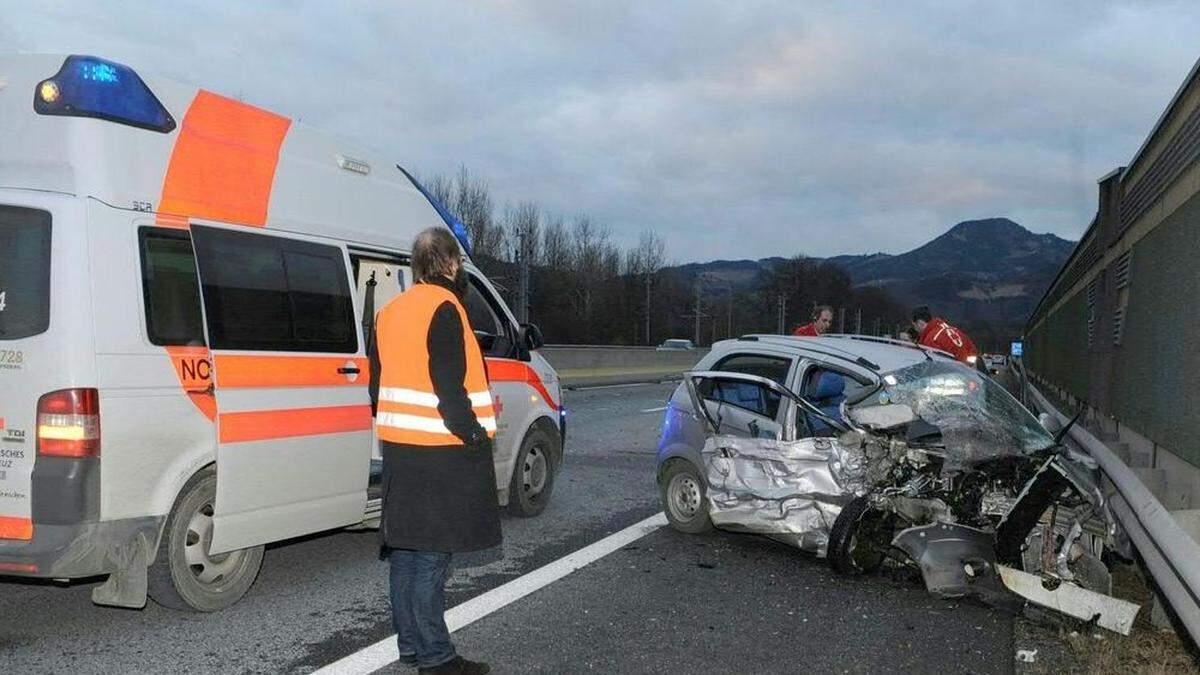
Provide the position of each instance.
(185, 576)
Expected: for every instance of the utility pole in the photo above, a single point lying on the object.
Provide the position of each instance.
(729, 315)
(647, 303)
(878, 322)
(522, 277)
(842, 320)
(858, 321)
(698, 310)
(782, 314)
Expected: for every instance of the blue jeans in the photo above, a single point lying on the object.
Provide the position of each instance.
(418, 580)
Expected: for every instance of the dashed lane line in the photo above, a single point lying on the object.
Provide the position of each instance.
(384, 652)
(654, 410)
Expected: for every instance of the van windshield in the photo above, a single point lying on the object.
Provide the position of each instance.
(24, 272)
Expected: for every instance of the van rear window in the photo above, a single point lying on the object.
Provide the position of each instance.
(24, 272)
(170, 289)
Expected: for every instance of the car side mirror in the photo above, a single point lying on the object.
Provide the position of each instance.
(1050, 423)
(531, 337)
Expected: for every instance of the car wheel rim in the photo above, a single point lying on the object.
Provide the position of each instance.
(213, 572)
(534, 471)
(684, 497)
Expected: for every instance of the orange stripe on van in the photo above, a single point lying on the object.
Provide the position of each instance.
(22, 528)
(173, 222)
(508, 370)
(235, 371)
(223, 165)
(261, 425)
(193, 367)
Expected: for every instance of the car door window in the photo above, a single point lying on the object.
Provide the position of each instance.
(745, 395)
(826, 388)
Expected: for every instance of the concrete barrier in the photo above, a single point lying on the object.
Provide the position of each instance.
(589, 365)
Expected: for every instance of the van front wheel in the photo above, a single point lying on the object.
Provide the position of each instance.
(185, 576)
(533, 476)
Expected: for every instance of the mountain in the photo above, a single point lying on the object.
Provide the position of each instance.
(990, 271)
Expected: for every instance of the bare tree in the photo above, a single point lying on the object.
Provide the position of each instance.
(473, 205)
(556, 244)
(442, 189)
(523, 224)
(593, 258)
(650, 256)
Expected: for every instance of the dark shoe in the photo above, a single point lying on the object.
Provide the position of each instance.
(458, 666)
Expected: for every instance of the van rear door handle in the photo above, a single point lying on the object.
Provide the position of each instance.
(348, 370)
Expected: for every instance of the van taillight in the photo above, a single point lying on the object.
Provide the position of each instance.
(69, 423)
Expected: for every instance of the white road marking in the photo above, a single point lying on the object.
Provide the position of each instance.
(384, 652)
(652, 410)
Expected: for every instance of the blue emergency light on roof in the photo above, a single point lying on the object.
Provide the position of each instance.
(86, 86)
(455, 225)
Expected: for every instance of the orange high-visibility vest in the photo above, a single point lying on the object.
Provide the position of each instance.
(407, 410)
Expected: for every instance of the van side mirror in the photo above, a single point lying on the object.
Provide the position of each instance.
(531, 337)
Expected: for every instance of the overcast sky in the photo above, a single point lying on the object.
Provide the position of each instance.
(736, 129)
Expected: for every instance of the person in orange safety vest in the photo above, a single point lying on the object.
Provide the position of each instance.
(435, 420)
(822, 318)
(936, 332)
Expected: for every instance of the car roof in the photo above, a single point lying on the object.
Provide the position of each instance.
(886, 354)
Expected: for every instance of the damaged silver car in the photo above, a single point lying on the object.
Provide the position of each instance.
(860, 450)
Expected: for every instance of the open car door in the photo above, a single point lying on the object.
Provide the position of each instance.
(788, 486)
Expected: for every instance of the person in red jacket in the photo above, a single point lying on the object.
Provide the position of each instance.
(822, 318)
(936, 332)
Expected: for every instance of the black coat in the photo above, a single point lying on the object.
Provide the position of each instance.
(441, 498)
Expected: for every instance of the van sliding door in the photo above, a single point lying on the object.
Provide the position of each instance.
(290, 375)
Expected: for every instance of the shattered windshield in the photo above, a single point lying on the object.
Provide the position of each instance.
(977, 419)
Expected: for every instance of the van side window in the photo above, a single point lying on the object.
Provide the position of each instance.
(274, 294)
(488, 324)
(169, 288)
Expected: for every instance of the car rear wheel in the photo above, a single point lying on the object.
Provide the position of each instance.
(533, 475)
(185, 576)
(683, 498)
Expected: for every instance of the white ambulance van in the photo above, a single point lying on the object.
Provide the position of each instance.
(186, 294)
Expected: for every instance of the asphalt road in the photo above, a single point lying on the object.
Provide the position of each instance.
(323, 597)
(718, 603)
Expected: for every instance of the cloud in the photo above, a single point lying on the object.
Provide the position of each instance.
(735, 129)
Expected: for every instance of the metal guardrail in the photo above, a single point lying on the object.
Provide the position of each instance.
(1170, 553)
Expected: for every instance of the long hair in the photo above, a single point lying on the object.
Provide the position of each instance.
(434, 253)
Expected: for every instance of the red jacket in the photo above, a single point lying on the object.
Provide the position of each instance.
(941, 335)
(807, 330)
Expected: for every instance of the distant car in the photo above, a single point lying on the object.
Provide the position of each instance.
(676, 345)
